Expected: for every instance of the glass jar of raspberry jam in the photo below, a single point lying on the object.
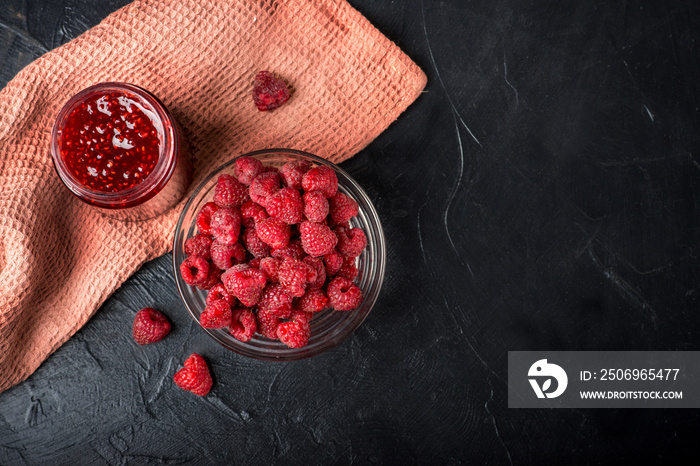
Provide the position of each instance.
(115, 146)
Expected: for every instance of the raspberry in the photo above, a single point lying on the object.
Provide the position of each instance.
(294, 334)
(251, 210)
(334, 261)
(313, 301)
(226, 225)
(254, 244)
(275, 301)
(150, 326)
(267, 324)
(315, 206)
(194, 270)
(322, 179)
(320, 271)
(269, 91)
(293, 250)
(273, 232)
(243, 324)
(349, 269)
(204, 217)
(245, 283)
(229, 192)
(351, 242)
(216, 315)
(300, 316)
(293, 276)
(343, 294)
(293, 171)
(246, 169)
(198, 245)
(225, 256)
(270, 266)
(195, 376)
(219, 292)
(255, 262)
(342, 208)
(286, 205)
(213, 279)
(317, 239)
(263, 186)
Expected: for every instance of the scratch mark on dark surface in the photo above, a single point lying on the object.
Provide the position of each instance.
(420, 238)
(651, 115)
(24, 36)
(495, 427)
(505, 76)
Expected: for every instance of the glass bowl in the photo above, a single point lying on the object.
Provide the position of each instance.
(328, 327)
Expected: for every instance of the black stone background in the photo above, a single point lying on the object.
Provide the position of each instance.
(542, 194)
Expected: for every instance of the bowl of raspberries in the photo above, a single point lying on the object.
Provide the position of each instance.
(279, 255)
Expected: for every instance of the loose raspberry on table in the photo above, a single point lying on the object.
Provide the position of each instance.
(195, 376)
(294, 275)
(342, 208)
(198, 245)
(270, 266)
(256, 246)
(246, 169)
(226, 225)
(204, 217)
(219, 292)
(320, 272)
(275, 301)
(293, 171)
(216, 315)
(349, 270)
(150, 326)
(334, 261)
(317, 239)
(273, 232)
(225, 256)
(229, 192)
(245, 283)
(269, 91)
(293, 250)
(294, 334)
(286, 205)
(252, 210)
(263, 186)
(267, 324)
(321, 178)
(351, 242)
(316, 206)
(195, 270)
(313, 301)
(343, 295)
(243, 324)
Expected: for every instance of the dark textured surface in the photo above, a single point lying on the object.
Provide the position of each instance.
(541, 194)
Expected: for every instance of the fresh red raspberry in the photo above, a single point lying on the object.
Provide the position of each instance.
(334, 261)
(198, 245)
(315, 206)
(195, 376)
(317, 265)
(351, 242)
(219, 292)
(349, 270)
(229, 192)
(270, 266)
(269, 91)
(213, 279)
(343, 294)
(286, 205)
(243, 324)
(255, 262)
(313, 301)
(246, 169)
(204, 217)
(275, 301)
(245, 283)
(150, 326)
(254, 244)
(226, 225)
(251, 210)
(216, 315)
(317, 239)
(342, 208)
(293, 250)
(263, 186)
(321, 178)
(300, 316)
(293, 276)
(293, 171)
(194, 270)
(294, 334)
(273, 232)
(225, 256)
(267, 324)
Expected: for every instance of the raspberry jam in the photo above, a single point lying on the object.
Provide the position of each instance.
(115, 146)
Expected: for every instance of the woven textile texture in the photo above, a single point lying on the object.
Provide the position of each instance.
(59, 258)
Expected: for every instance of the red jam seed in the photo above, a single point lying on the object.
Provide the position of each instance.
(109, 143)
